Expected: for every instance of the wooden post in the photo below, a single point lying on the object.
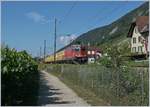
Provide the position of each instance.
(142, 87)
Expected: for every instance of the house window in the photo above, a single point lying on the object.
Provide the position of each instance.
(139, 39)
(134, 40)
(140, 49)
(134, 49)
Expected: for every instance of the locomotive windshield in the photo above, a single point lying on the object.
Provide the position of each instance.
(77, 49)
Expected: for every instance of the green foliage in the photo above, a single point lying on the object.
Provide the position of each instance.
(19, 78)
(114, 57)
(123, 87)
(105, 61)
(144, 63)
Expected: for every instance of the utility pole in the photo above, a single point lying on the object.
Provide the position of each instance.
(44, 48)
(40, 52)
(55, 42)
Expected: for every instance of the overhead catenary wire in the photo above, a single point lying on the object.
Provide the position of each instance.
(116, 9)
(65, 17)
(62, 21)
(96, 16)
(104, 17)
(69, 11)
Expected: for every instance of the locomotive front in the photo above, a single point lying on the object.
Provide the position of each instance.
(76, 53)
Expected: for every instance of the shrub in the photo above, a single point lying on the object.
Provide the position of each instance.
(19, 78)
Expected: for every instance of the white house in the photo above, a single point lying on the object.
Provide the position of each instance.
(139, 32)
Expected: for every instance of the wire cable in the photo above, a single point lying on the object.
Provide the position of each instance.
(105, 16)
(69, 11)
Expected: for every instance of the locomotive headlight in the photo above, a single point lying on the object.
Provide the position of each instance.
(89, 52)
(92, 52)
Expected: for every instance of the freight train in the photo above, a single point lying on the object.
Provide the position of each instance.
(75, 54)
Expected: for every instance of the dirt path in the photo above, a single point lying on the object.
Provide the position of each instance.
(54, 92)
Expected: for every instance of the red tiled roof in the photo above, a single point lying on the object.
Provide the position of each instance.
(141, 22)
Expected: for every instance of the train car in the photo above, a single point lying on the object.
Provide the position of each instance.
(74, 54)
(49, 59)
(59, 57)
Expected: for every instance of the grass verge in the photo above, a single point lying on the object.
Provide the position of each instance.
(86, 94)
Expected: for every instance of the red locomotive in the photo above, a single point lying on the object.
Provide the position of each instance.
(75, 53)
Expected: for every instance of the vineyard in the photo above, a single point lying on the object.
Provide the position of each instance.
(124, 86)
(19, 82)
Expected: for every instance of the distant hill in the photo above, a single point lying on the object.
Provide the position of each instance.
(116, 31)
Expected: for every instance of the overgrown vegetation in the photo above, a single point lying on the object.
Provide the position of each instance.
(142, 63)
(116, 56)
(19, 78)
(99, 85)
(113, 82)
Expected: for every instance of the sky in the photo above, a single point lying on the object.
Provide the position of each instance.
(26, 24)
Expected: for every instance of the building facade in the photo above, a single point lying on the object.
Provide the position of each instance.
(138, 44)
(139, 32)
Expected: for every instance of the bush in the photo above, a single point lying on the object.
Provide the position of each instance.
(19, 78)
(105, 61)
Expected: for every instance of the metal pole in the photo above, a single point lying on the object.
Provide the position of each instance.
(40, 52)
(44, 48)
(55, 42)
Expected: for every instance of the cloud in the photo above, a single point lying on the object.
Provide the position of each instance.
(67, 39)
(36, 17)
